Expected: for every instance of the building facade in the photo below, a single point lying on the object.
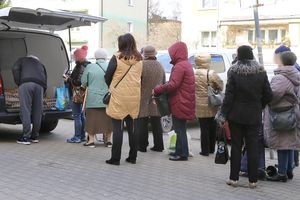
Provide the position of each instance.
(228, 23)
(123, 16)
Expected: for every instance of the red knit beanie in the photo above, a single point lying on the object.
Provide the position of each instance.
(80, 54)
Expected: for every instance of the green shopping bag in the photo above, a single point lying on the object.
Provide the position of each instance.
(172, 140)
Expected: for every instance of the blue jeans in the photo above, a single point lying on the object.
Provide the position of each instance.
(79, 121)
(182, 148)
(285, 161)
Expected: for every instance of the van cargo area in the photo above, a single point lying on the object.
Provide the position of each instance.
(47, 47)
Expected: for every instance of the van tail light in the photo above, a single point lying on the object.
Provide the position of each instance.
(1, 86)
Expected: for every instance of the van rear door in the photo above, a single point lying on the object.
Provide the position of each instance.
(43, 19)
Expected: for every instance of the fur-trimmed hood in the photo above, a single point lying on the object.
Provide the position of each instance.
(247, 67)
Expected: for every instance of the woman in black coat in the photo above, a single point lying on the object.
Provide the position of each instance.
(247, 93)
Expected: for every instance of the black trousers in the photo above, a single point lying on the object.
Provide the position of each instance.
(157, 132)
(182, 148)
(208, 128)
(239, 133)
(118, 127)
(296, 155)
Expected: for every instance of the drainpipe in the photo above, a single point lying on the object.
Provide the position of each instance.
(101, 25)
(147, 20)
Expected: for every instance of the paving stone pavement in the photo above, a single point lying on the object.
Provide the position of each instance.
(54, 170)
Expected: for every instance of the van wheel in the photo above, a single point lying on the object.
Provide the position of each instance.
(48, 125)
(166, 123)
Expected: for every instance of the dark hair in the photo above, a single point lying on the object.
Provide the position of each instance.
(127, 48)
(288, 58)
(244, 52)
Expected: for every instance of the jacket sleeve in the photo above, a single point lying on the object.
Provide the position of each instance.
(112, 66)
(267, 93)
(174, 82)
(16, 70)
(216, 82)
(84, 77)
(229, 95)
(278, 88)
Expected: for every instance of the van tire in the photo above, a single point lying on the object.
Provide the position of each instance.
(48, 125)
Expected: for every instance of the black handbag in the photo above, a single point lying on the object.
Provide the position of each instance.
(107, 96)
(162, 104)
(283, 119)
(222, 155)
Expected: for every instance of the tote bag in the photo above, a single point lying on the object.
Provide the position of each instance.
(62, 98)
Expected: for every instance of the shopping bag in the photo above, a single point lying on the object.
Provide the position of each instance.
(62, 98)
(172, 140)
(222, 155)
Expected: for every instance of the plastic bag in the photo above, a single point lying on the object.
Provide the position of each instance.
(62, 98)
(172, 140)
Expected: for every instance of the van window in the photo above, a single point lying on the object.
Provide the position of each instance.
(165, 60)
(192, 61)
(217, 63)
(11, 49)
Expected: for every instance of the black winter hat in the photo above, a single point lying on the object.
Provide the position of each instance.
(244, 52)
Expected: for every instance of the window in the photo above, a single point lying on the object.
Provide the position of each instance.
(273, 36)
(209, 3)
(130, 27)
(250, 36)
(165, 60)
(130, 2)
(283, 33)
(205, 39)
(213, 39)
(209, 39)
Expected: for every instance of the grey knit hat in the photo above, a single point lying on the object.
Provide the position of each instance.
(149, 52)
(101, 54)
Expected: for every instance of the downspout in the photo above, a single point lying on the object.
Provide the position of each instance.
(101, 25)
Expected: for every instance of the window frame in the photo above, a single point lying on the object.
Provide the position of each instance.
(131, 3)
(130, 27)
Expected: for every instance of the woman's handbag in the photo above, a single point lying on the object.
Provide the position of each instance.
(107, 96)
(283, 119)
(78, 94)
(215, 97)
(222, 155)
(162, 104)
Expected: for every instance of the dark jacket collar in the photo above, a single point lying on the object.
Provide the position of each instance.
(247, 67)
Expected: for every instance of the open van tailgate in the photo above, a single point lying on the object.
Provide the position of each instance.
(25, 18)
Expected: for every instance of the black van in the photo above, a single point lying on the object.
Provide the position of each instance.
(26, 31)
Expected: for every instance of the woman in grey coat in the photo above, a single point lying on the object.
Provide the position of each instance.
(286, 92)
(153, 74)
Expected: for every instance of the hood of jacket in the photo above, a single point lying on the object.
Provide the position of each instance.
(178, 52)
(247, 67)
(203, 61)
(290, 72)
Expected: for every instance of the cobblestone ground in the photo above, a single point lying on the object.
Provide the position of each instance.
(56, 170)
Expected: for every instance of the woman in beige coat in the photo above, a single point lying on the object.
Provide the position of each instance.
(204, 112)
(123, 77)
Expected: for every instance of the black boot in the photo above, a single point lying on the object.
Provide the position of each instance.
(113, 162)
(278, 177)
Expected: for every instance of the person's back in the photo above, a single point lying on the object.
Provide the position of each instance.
(153, 74)
(31, 77)
(30, 69)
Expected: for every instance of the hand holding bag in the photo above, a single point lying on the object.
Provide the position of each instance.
(215, 97)
(222, 155)
(162, 104)
(107, 96)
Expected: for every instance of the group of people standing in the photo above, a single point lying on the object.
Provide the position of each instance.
(131, 80)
